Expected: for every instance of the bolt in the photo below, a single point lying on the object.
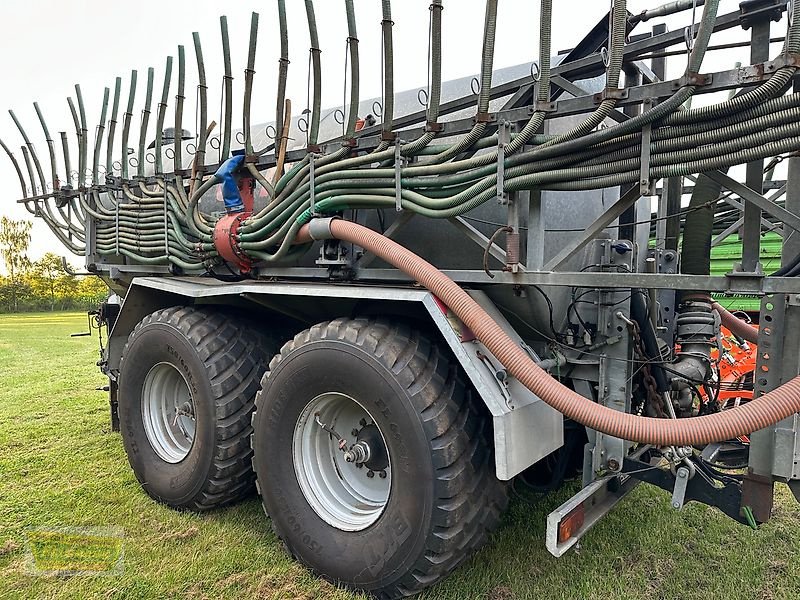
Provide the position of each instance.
(363, 422)
(354, 432)
(382, 474)
(370, 474)
(682, 473)
(676, 504)
(613, 464)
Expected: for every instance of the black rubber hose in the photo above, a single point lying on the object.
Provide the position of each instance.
(639, 314)
(696, 246)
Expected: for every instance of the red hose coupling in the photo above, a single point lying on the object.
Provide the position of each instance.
(226, 243)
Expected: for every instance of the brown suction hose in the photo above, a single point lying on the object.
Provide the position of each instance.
(757, 414)
(735, 324)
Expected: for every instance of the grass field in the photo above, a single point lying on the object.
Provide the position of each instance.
(62, 466)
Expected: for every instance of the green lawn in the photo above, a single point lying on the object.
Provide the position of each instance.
(61, 466)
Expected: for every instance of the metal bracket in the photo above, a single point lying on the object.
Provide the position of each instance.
(741, 282)
(693, 79)
(785, 60)
(679, 491)
(503, 138)
(543, 106)
(756, 11)
(166, 224)
(116, 223)
(311, 158)
(398, 185)
(611, 94)
(646, 186)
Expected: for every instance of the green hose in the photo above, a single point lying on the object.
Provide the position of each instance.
(316, 69)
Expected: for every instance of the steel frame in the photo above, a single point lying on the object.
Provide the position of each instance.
(584, 62)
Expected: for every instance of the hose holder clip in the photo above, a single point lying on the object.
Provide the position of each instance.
(485, 117)
(543, 106)
(790, 59)
(433, 127)
(610, 94)
(693, 79)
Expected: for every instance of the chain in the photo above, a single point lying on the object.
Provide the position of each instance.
(649, 381)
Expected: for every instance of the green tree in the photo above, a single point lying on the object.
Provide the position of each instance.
(15, 238)
(48, 273)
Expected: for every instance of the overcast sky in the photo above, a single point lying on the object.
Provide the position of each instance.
(46, 46)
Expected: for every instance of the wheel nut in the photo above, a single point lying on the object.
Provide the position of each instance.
(370, 474)
(382, 474)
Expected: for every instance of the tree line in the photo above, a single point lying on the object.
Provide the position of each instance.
(43, 284)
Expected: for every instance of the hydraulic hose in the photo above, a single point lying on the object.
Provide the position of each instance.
(757, 414)
(735, 324)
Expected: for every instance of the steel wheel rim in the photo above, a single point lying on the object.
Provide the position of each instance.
(168, 412)
(341, 493)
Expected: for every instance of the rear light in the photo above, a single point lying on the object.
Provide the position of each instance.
(571, 524)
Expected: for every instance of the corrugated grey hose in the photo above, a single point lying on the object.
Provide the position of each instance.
(316, 69)
(619, 25)
(487, 60)
(696, 245)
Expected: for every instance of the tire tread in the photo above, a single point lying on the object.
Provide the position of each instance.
(469, 499)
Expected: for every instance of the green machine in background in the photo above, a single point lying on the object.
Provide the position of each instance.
(729, 252)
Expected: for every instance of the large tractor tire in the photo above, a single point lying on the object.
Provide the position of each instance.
(188, 381)
(373, 459)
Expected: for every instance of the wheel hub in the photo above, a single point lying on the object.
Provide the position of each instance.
(330, 466)
(168, 412)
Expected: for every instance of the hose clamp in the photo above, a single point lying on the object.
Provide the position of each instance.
(320, 229)
(611, 94)
(543, 106)
(789, 59)
(693, 79)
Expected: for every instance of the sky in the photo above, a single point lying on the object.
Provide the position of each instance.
(46, 46)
